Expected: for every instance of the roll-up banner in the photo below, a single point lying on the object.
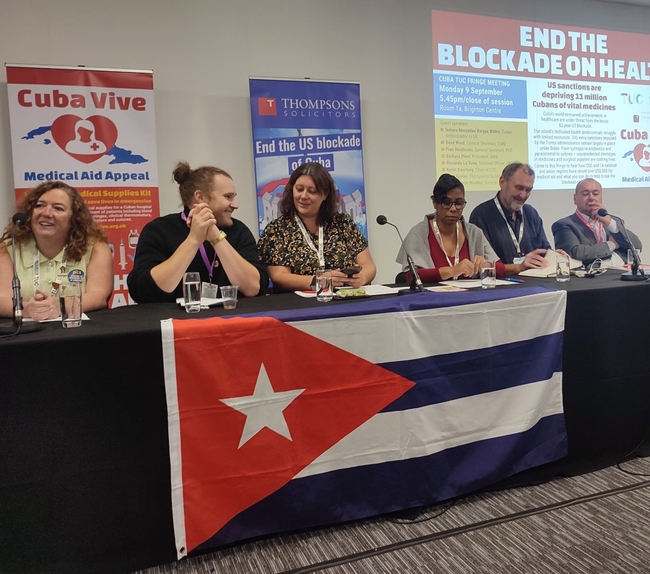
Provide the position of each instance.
(299, 121)
(93, 129)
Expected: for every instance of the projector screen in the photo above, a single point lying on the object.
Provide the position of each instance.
(573, 102)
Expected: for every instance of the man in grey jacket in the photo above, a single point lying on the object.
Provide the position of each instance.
(588, 236)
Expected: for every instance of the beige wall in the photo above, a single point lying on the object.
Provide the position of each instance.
(203, 52)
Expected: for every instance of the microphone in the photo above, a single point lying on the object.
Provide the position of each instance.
(416, 283)
(636, 273)
(18, 326)
(19, 219)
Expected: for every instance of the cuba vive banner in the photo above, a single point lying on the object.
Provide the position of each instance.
(93, 129)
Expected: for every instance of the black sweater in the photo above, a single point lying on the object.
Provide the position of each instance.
(159, 240)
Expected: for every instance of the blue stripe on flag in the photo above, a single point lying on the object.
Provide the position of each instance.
(365, 491)
(441, 378)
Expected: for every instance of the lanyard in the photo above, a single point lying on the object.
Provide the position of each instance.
(597, 229)
(516, 241)
(439, 238)
(305, 234)
(37, 270)
(204, 255)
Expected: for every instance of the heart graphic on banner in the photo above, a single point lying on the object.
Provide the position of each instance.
(86, 140)
(642, 156)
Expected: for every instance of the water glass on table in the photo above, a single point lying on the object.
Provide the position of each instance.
(488, 276)
(70, 302)
(229, 296)
(192, 291)
(562, 268)
(324, 288)
(630, 256)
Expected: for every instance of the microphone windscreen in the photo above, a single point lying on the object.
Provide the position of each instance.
(19, 219)
(602, 212)
(381, 219)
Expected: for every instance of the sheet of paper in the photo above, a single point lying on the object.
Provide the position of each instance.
(205, 302)
(84, 317)
(472, 283)
(445, 289)
(380, 290)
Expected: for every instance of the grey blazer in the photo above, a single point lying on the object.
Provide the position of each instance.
(574, 237)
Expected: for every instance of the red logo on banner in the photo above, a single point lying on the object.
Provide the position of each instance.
(642, 156)
(254, 412)
(87, 139)
(267, 107)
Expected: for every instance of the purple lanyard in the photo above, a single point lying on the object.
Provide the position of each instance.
(204, 255)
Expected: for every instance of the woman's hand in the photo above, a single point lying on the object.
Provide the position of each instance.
(340, 279)
(479, 262)
(42, 307)
(464, 268)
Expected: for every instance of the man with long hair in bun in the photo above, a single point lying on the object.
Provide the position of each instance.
(204, 238)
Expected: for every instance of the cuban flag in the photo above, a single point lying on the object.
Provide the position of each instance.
(308, 417)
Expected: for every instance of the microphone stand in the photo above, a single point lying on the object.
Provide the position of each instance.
(636, 273)
(416, 283)
(18, 325)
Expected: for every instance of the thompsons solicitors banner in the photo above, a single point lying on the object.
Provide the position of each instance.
(93, 129)
(299, 121)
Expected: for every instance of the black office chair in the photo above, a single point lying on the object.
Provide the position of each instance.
(401, 278)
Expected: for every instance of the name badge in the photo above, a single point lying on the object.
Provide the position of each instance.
(518, 260)
(208, 290)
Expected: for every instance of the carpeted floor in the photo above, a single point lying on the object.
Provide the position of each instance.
(592, 524)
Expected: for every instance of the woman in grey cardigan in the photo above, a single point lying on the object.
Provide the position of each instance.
(444, 245)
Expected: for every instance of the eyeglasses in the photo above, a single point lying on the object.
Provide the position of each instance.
(593, 270)
(447, 203)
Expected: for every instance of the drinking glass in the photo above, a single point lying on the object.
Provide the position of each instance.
(192, 291)
(70, 301)
(489, 276)
(324, 289)
(562, 268)
(229, 296)
(630, 256)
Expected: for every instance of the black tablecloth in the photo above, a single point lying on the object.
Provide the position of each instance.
(84, 460)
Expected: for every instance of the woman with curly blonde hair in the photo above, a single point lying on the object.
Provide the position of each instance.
(59, 243)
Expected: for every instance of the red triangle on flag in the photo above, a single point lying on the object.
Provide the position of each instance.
(221, 360)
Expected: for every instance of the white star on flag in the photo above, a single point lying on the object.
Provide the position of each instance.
(264, 408)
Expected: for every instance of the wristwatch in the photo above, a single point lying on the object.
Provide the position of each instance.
(220, 237)
(314, 283)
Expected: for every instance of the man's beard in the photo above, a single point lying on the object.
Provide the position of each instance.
(516, 205)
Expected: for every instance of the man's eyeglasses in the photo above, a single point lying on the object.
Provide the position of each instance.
(447, 203)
